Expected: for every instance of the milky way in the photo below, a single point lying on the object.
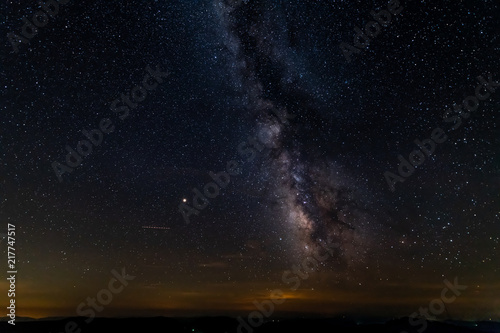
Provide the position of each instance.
(317, 196)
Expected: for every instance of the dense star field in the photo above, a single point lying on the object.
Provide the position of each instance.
(203, 157)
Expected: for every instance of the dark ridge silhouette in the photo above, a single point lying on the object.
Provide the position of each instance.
(230, 325)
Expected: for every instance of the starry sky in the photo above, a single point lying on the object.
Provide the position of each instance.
(265, 86)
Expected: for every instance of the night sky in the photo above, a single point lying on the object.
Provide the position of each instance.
(185, 89)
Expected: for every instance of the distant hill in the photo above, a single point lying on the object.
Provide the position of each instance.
(230, 325)
(20, 319)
